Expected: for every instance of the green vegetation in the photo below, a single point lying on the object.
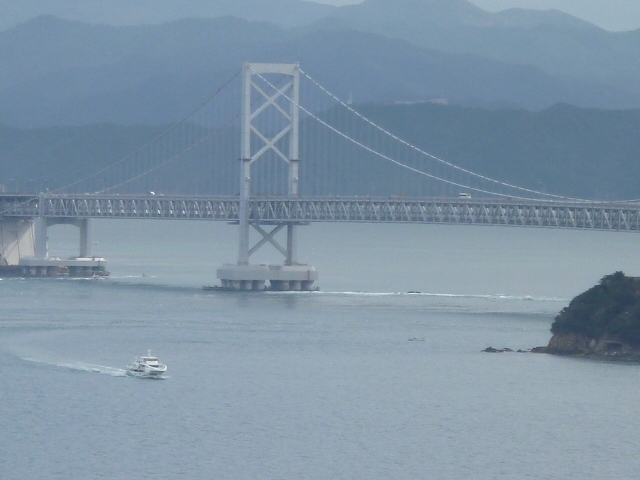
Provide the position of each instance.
(611, 308)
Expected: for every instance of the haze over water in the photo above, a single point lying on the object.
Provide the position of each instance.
(315, 385)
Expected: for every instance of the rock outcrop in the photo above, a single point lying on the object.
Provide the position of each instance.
(606, 347)
(602, 322)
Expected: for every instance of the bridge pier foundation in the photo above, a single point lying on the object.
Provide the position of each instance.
(281, 278)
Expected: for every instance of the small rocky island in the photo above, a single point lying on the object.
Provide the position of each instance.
(603, 322)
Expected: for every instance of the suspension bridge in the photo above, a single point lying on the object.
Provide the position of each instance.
(304, 156)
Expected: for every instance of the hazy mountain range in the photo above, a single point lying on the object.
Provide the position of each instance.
(81, 74)
(555, 42)
(67, 72)
(137, 12)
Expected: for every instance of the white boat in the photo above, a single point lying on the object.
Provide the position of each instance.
(146, 366)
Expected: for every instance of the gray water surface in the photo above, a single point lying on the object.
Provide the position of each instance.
(315, 385)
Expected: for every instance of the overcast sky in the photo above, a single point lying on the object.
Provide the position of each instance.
(609, 14)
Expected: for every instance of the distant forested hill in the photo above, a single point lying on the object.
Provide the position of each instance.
(33, 160)
(585, 153)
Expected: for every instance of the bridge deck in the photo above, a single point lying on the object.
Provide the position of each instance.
(586, 215)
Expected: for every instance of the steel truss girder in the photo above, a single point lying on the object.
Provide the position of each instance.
(288, 210)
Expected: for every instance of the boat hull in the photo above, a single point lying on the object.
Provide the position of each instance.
(157, 375)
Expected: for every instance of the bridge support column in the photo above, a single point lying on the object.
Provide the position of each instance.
(41, 239)
(292, 246)
(245, 187)
(86, 237)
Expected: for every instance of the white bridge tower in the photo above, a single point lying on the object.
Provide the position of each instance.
(258, 140)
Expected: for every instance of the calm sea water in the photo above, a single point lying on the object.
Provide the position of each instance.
(315, 385)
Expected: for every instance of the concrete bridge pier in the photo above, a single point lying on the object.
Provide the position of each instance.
(25, 250)
(281, 278)
(86, 237)
(16, 240)
(41, 238)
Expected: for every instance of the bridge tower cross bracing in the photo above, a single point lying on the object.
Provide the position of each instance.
(291, 275)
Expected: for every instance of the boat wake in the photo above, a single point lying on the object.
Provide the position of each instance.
(84, 367)
(446, 295)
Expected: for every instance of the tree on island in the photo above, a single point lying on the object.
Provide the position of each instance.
(608, 312)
